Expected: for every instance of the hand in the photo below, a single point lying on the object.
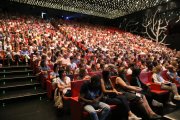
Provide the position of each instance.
(98, 110)
(138, 89)
(148, 84)
(94, 101)
(167, 82)
(119, 93)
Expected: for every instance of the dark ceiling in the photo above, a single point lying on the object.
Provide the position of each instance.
(101, 8)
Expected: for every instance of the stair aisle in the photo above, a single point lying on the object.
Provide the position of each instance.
(18, 83)
(22, 96)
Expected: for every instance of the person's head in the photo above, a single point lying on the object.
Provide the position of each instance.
(82, 73)
(121, 70)
(49, 54)
(171, 68)
(62, 73)
(157, 69)
(95, 81)
(150, 66)
(98, 66)
(93, 67)
(44, 57)
(106, 75)
(56, 67)
(23, 49)
(131, 65)
(8, 49)
(136, 71)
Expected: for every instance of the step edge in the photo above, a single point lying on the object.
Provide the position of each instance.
(16, 97)
(17, 77)
(24, 66)
(15, 71)
(20, 85)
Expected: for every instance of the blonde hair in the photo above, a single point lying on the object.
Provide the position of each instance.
(157, 69)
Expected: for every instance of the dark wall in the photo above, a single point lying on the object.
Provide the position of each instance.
(174, 36)
(169, 11)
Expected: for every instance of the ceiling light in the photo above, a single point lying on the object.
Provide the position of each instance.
(102, 8)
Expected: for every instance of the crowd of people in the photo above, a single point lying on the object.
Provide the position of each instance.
(113, 52)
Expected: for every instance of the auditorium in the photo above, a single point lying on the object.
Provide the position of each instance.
(89, 60)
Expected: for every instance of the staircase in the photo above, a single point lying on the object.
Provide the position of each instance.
(18, 83)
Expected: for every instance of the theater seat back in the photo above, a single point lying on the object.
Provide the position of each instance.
(146, 77)
(95, 73)
(76, 86)
(129, 77)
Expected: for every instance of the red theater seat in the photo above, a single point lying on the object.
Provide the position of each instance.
(146, 78)
(50, 89)
(76, 108)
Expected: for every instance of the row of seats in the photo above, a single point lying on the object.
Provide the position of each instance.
(77, 112)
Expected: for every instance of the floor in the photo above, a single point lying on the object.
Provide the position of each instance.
(42, 109)
(33, 109)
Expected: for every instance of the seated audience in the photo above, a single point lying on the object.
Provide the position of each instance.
(166, 85)
(135, 81)
(134, 95)
(112, 96)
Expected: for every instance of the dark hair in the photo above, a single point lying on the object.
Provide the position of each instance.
(150, 66)
(55, 66)
(95, 81)
(82, 73)
(61, 71)
(105, 75)
(136, 71)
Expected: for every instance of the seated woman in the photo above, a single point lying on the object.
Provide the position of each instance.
(166, 85)
(54, 75)
(112, 96)
(16, 55)
(8, 55)
(64, 83)
(93, 68)
(90, 96)
(25, 53)
(44, 68)
(132, 93)
(135, 81)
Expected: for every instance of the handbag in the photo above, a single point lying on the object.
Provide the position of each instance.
(58, 102)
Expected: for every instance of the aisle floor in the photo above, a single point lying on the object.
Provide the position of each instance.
(42, 109)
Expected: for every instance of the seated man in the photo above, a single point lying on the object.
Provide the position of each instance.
(166, 85)
(90, 95)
